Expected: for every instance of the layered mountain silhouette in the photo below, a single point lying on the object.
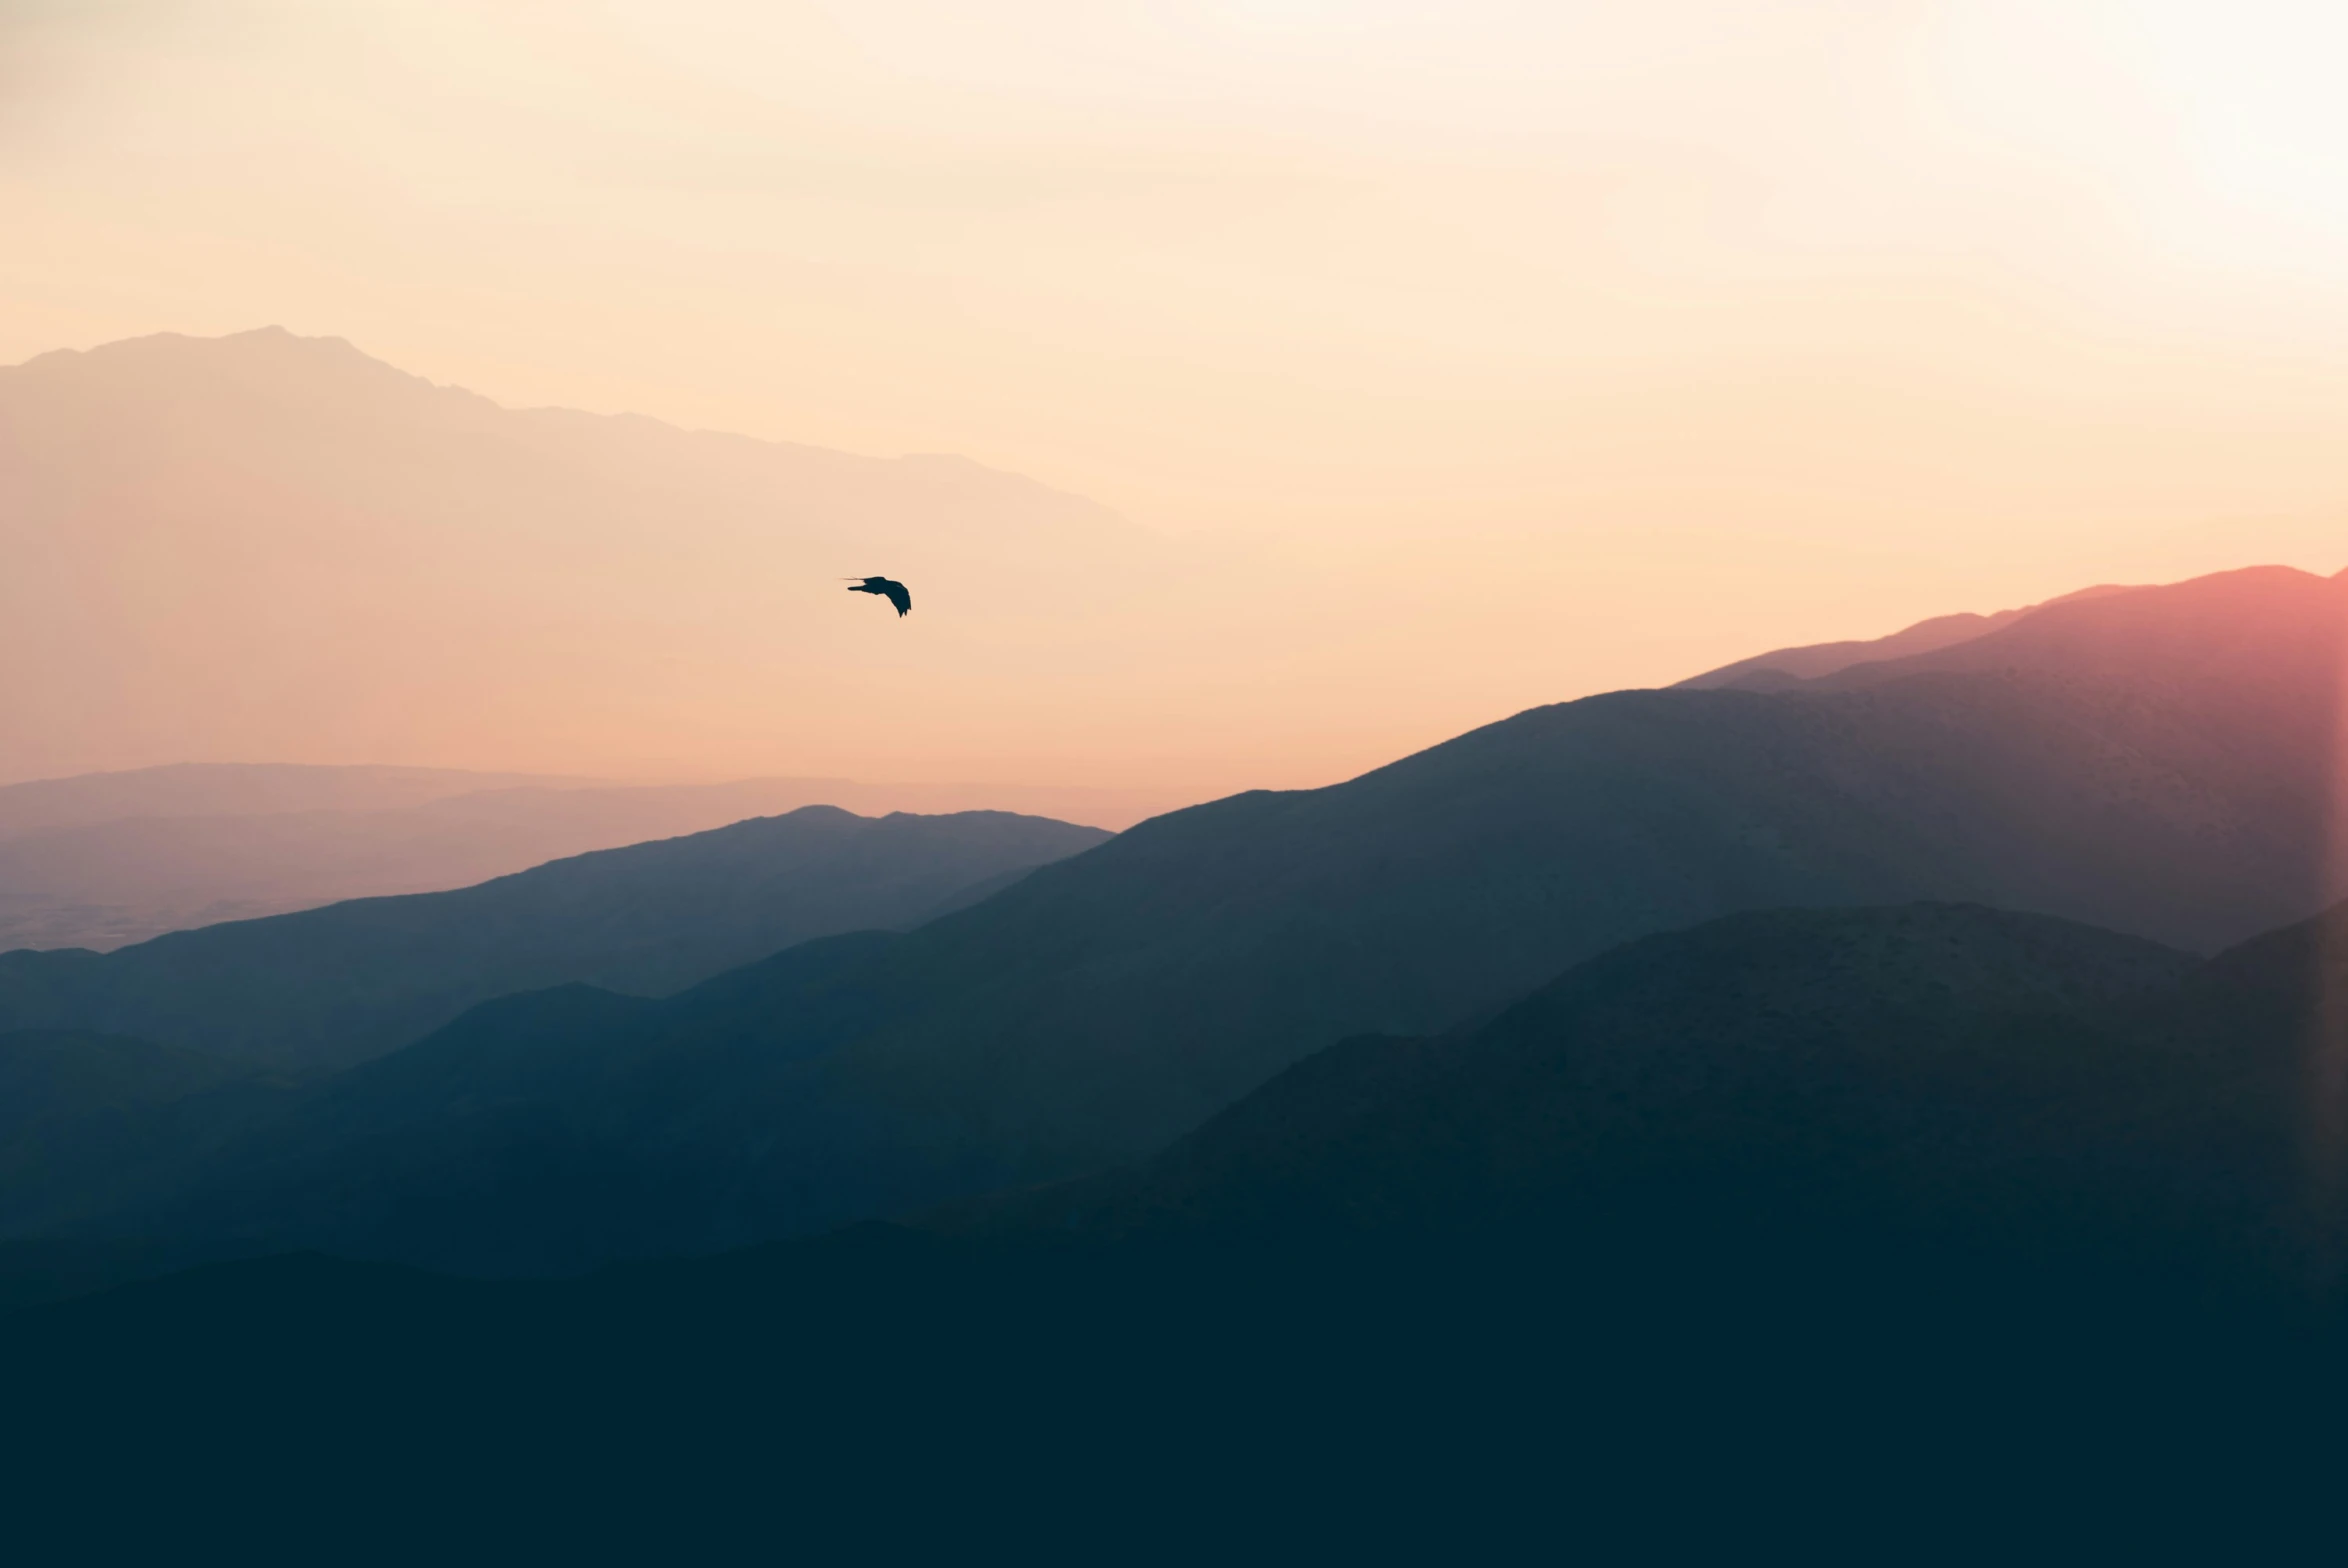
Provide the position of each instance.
(198, 790)
(2159, 763)
(1975, 1079)
(1640, 1076)
(328, 987)
(106, 860)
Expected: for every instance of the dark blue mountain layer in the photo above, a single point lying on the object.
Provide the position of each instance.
(1831, 1200)
(328, 987)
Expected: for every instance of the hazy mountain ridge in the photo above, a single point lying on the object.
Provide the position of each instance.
(2261, 632)
(1746, 1162)
(459, 576)
(1474, 869)
(331, 986)
(199, 789)
(112, 859)
(1104, 1006)
(273, 365)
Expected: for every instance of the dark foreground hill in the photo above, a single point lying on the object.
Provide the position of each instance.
(1850, 1203)
(82, 1112)
(327, 987)
(2160, 762)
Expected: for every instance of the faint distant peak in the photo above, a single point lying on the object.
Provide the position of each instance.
(279, 340)
(211, 789)
(330, 377)
(274, 341)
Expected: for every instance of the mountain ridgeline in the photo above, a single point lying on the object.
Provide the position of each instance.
(109, 859)
(1783, 667)
(2160, 763)
(328, 987)
(1831, 1078)
(449, 567)
(1988, 1080)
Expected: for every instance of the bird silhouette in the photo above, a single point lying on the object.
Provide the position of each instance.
(894, 592)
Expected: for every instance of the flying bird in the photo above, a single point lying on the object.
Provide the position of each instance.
(894, 592)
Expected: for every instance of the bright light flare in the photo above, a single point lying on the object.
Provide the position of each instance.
(2256, 90)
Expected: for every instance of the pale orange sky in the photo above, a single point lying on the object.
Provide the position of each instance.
(1575, 345)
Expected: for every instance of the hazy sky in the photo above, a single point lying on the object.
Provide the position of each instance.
(1583, 345)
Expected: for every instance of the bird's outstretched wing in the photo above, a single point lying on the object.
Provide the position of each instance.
(899, 597)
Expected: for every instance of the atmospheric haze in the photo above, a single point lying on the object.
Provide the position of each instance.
(1372, 370)
(1613, 807)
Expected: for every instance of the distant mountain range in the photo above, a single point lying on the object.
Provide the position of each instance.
(2159, 763)
(196, 790)
(332, 986)
(105, 860)
(270, 546)
(1830, 1079)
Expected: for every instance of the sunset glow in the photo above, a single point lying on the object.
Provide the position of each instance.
(903, 781)
(1522, 350)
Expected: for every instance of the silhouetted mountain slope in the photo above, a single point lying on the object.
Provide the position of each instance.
(1114, 1000)
(49, 1075)
(1103, 1006)
(107, 860)
(2159, 762)
(549, 1132)
(1783, 667)
(1930, 1071)
(331, 986)
(85, 1119)
(2264, 634)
